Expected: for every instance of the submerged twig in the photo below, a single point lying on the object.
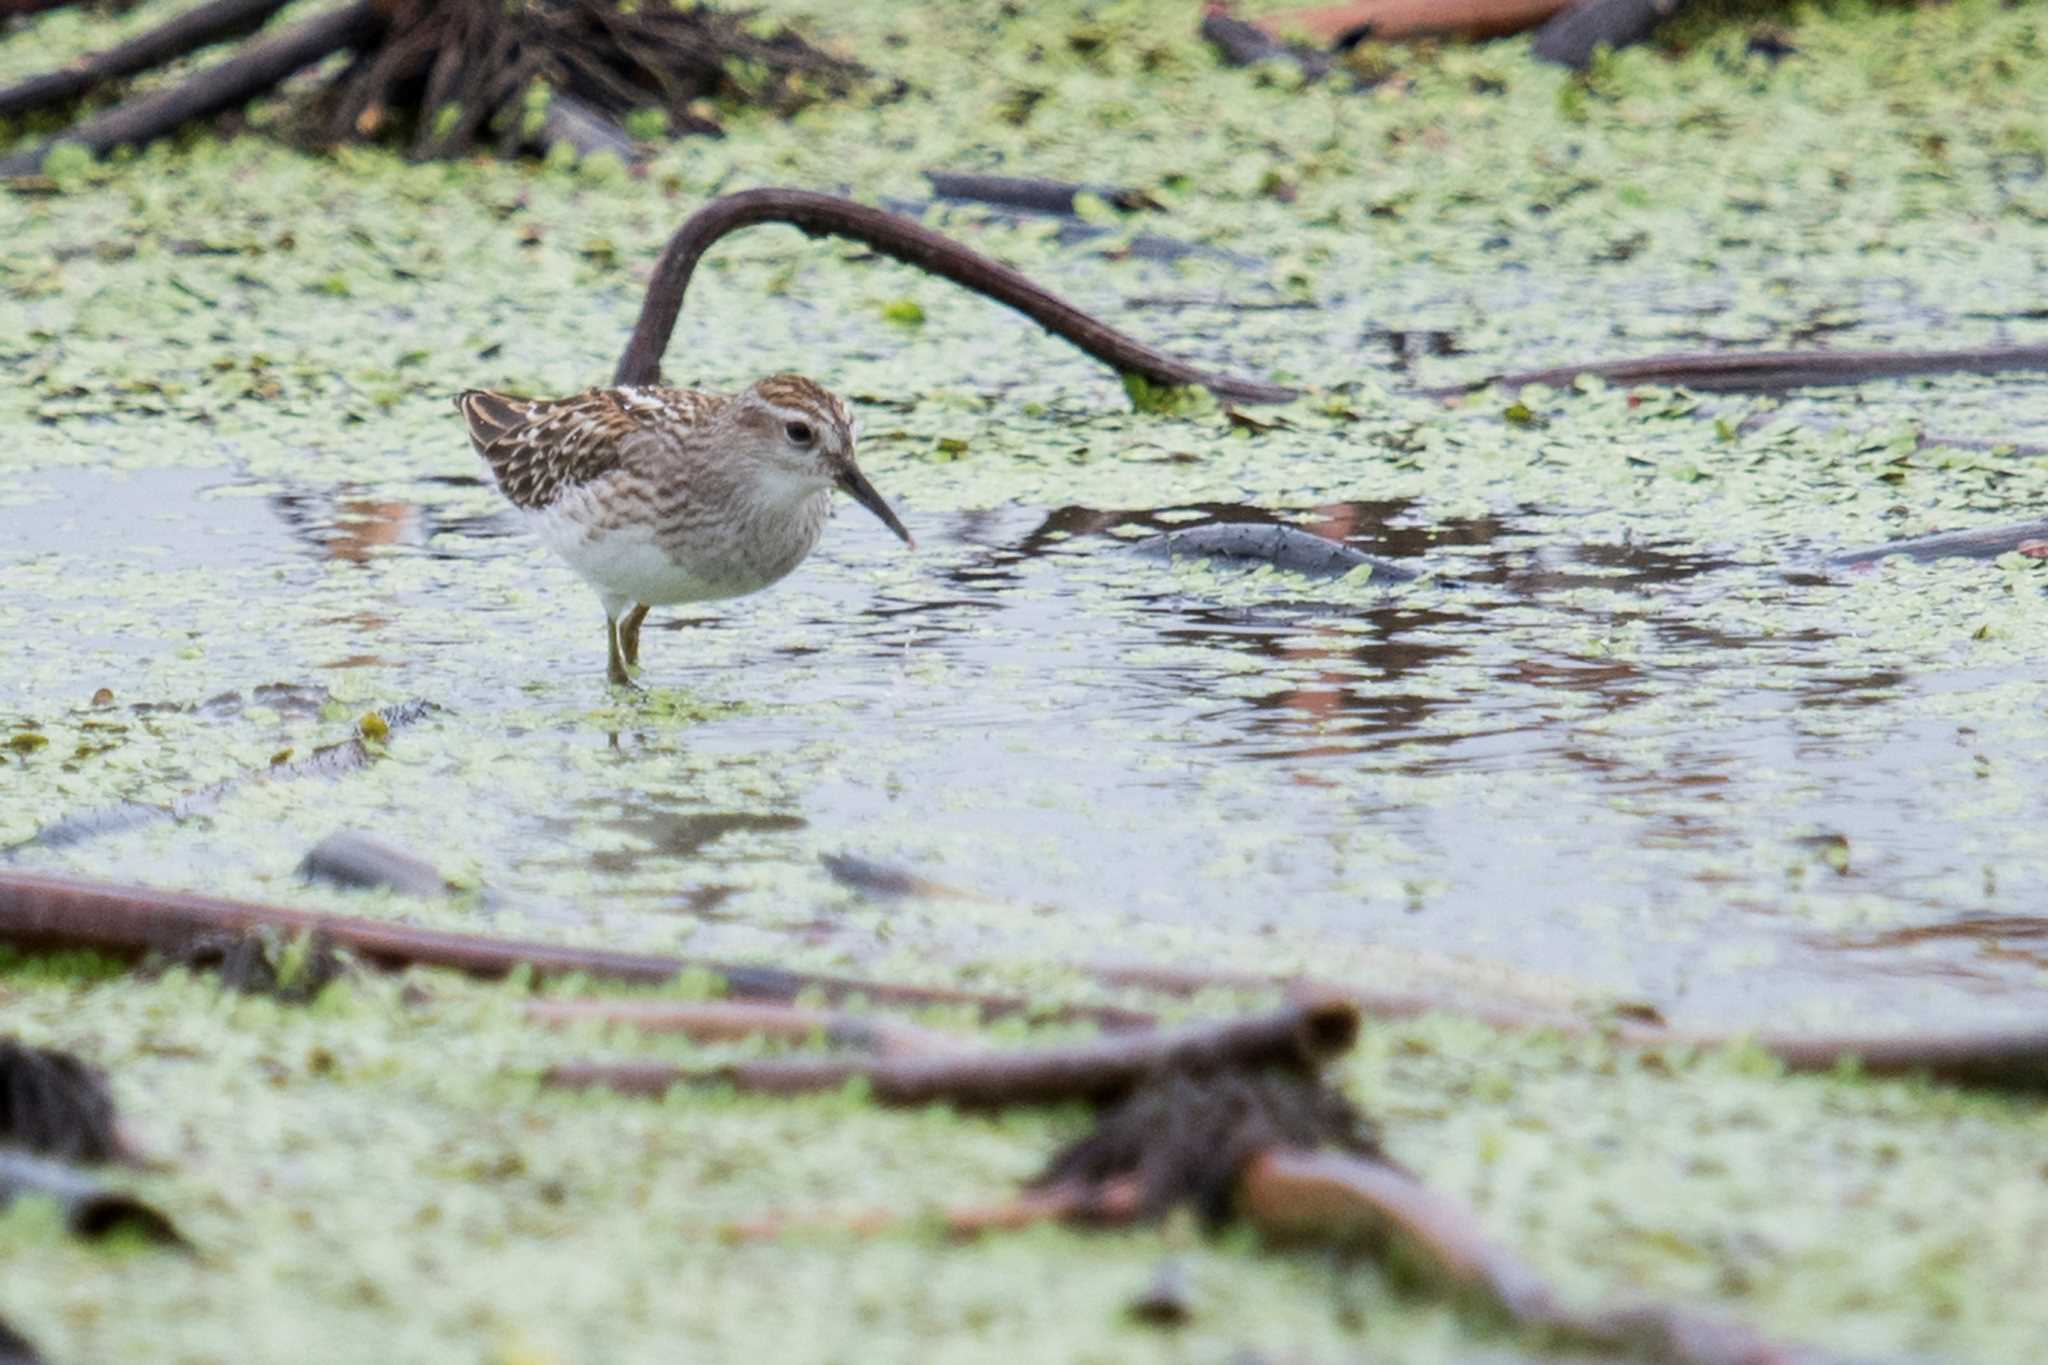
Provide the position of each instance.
(1766, 371)
(44, 913)
(1286, 548)
(825, 215)
(1030, 193)
(355, 860)
(330, 760)
(1299, 1036)
(1983, 542)
(718, 1021)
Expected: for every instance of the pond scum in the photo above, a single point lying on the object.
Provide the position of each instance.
(1627, 767)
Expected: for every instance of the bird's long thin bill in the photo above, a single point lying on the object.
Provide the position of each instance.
(856, 484)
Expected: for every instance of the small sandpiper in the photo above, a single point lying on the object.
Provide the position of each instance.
(657, 496)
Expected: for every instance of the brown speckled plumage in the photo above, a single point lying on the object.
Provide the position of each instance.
(659, 495)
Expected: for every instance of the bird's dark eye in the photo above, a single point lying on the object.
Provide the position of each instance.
(799, 432)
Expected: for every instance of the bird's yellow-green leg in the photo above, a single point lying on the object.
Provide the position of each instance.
(617, 669)
(629, 634)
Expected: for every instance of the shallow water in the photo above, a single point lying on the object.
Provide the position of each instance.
(1733, 824)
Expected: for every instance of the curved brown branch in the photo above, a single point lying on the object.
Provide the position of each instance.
(190, 31)
(825, 215)
(1767, 371)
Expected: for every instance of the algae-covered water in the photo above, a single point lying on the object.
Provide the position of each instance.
(1628, 741)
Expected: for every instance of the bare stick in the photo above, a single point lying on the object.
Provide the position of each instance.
(718, 1021)
(1767, 371)
(195, 28)
(54, 913)
(825, 215)
(234, 82)
(1297, 1036)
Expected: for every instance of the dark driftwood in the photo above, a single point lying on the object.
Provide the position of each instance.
(1284, 547)
(232, 83)
(1029, 193)
(1298, 1037)
(45, 913)
(1985, 542)
(1573, 34)
(1767, 371)
(195, 28)
(825, 215)
(354, 860)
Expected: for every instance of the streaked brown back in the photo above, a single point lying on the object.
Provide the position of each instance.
(540, 448)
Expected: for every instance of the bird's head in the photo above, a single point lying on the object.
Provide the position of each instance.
(805, 433)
